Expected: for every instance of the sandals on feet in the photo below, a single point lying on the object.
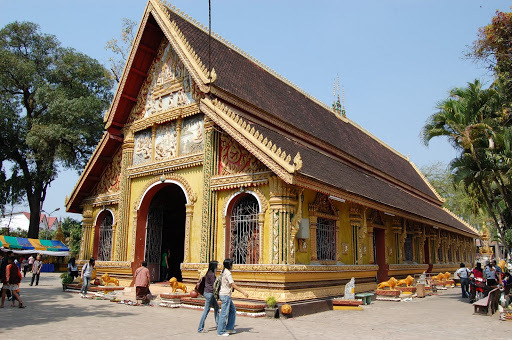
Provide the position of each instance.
(21, 305)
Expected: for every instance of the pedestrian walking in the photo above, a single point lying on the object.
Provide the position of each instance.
(86, 275)
(228, 310)
(36, 270)
(25, 266)
(210, 300)
(463, 274)
(142, 281)
(12, 281)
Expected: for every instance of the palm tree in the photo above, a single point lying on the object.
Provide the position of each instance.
(477, 126)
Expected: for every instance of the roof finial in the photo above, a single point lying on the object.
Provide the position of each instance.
(343, 112)
(336, 105)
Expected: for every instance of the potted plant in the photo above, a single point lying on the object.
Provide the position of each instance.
(271, 309)
(66, 279)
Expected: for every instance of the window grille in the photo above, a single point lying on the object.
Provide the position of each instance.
(244, 232)
(326, 239)
(105, 237)
(154, 236)
(408, 250)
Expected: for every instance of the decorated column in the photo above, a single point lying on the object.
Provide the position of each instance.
(121, 241)
(283, 203)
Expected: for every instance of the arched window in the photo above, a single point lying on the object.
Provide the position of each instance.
(105, 237)
(244, 234)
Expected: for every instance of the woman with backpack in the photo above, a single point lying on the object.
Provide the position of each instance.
(228, 310)
(210, 301)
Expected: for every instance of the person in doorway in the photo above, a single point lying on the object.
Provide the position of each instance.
(36, 270)
(228, 311)
(208, 295)
(463, 274)
(86, 275)
(72, 268)
(142, 281)
(12, 280)
(164, 266)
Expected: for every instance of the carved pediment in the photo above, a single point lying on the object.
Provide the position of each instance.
(323, 205)
(375, 218)
(110, 179)
(235, 159)
(168, 86)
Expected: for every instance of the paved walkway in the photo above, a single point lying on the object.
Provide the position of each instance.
(54, 314)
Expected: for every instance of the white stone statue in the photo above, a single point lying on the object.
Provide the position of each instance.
(350, 290)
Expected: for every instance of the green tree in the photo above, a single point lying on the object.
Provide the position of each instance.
(51, 104)
(456, 199)
(476, 122)
(494, 48)
(72, 230)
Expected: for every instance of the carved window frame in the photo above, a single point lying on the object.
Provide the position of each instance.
(330, 214)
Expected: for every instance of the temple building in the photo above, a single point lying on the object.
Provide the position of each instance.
(238, 162)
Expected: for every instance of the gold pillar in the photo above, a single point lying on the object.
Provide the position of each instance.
(356, 222)
(283, 202)
(189, 213)
(209, 204)
(399, 234)
(123, 213)
(312, 237)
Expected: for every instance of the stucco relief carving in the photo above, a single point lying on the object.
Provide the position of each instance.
(235, 159)
(165, 141)
(192, 135)
(110, 179)
(168, 86)
(143, 147)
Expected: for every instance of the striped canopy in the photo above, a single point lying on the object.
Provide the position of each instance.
(20, 243)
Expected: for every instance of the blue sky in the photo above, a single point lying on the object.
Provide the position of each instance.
(396, 58)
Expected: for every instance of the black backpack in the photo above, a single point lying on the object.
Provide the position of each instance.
(200, 285)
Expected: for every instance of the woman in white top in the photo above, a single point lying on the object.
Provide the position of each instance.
(72, 268)
(86, 276)
(228, 310)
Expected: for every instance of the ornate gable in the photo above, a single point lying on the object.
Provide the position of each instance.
(235, 159)
(109, 182)
(168, 86)
(323, 206)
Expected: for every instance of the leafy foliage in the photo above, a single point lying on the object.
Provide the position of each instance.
(121, 48)
(478, 123)
(72, 230)
(51, 104)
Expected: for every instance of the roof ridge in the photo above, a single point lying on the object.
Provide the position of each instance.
(246, 55)
(460, 220)
(442, 199)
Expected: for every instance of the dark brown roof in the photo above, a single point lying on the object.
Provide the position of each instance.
(361, 183)
(245, 79)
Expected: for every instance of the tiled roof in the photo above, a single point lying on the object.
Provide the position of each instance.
(247, 80)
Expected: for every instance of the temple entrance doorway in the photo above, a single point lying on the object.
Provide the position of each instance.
(379, 243)
(165, 233)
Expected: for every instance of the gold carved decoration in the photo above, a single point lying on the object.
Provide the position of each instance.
(235, 159)
(192, 196)
(239, 180)
(109, 182)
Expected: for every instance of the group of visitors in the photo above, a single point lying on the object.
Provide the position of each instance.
(10, 275)
(226, 320)
(483, 280)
